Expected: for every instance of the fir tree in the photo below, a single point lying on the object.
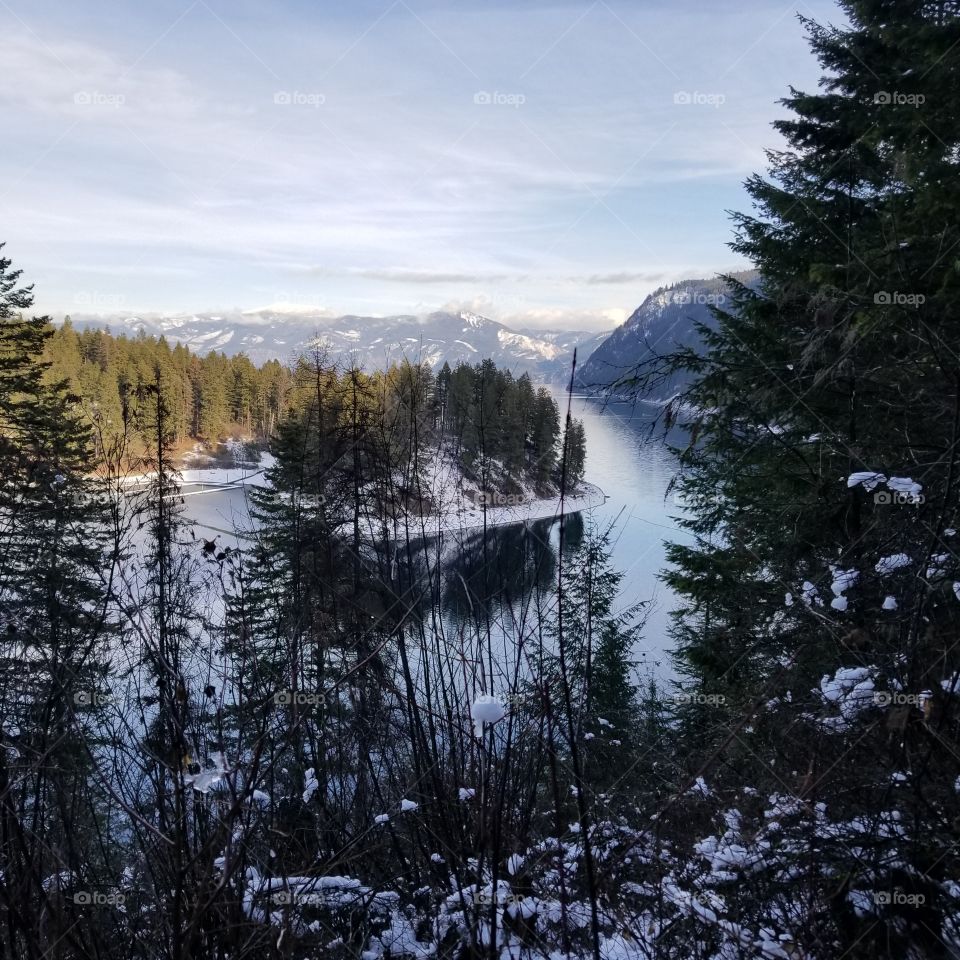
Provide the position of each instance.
(56, 570)
(841, 361)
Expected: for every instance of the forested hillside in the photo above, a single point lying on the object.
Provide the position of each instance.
(669, 319)
(481, 413)
(494, 416)
(207, 397)
(207, 745)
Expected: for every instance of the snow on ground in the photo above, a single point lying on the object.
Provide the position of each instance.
(905, 485)
(450, 493)
(455, 511)
(470, 516)
(249, 475)
(887, 565)
(867, 478)
(870, 480)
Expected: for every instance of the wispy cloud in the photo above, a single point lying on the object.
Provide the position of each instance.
(415, 277)
(447, 151)
(624, 276)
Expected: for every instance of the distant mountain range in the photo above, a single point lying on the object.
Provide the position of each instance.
(665, 321)
(284, 331)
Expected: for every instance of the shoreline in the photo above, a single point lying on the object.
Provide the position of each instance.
(463, 517)
(469, 518)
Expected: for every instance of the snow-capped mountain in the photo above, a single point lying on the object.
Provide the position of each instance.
(666, 320)
(282, 331)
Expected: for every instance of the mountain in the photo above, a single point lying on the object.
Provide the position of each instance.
(667, 319)
(585, 343)
(285, 330)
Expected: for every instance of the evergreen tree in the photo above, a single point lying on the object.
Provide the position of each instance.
(55, 580)
(462, 405)
(545, 428)
(840, 363)
(442, 394)
(575, 452)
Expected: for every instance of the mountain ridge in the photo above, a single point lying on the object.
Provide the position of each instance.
(665, 321)
(433, 338)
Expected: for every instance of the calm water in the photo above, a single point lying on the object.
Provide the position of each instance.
(632, 467)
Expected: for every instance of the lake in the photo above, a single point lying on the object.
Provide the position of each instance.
(631, 466)
(634, 469)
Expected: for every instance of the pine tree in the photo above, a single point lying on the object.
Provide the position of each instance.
(462, 405)
(55, 581)
(545, 428)
(841, 361)
(214, 413)
(442, 394)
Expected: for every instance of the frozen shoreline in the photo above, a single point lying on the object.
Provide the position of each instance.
(218, 477)
(469, 518)
(457, 515)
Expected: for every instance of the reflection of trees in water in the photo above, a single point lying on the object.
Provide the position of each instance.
(500, 569)
(573, 532)
(478, 576)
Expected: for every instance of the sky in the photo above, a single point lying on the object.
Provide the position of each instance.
(546, 164)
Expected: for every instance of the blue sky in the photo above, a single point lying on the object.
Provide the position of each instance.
(547, 164)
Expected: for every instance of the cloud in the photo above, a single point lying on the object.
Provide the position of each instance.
(517, 314)
(222, 157)
(600, 279)
(605, 318)
(391, 275)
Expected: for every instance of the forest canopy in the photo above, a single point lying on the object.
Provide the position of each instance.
(484, 413)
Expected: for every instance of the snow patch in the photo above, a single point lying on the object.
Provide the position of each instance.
(887, 565)
(486, 709)
(868, 479)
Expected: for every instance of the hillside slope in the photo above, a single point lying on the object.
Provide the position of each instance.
(665, 321)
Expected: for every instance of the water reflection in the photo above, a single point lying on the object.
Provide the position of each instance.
(500, 569)
(479, 582)
(487, 585)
